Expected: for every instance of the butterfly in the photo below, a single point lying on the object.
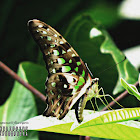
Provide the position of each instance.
(69, 81)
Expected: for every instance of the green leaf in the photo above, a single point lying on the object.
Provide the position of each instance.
(130, 88)
(101, 53)
(108, 117)
(106, 124)
(125, 68)
(104, 14)
(19, 107)
(36, 76)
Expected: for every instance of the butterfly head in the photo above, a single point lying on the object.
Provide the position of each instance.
(93, 89)
(95, 80)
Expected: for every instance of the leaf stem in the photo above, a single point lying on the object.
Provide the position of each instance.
(20, 80)
(120, 97)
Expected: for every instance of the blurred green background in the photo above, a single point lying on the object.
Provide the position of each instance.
(18, 46)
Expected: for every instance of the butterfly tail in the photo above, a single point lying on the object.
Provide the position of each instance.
(58, 110)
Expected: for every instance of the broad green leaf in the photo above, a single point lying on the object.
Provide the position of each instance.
(108, 117)
(130, 88)
(36, 76)
(19, 107)
(107, 124)
(100, 53)
(125, 69)
(102, 13)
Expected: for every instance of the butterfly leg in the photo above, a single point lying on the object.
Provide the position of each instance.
(106, 95)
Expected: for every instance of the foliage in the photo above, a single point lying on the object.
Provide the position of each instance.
(131, 89)
(19, 106)
(98, 124)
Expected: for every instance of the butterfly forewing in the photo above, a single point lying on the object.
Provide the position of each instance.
(68, 77)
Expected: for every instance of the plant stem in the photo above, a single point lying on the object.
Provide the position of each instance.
(20, 80)
(84, 138)
(120, 97)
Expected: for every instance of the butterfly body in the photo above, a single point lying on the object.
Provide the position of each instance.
(69, 81)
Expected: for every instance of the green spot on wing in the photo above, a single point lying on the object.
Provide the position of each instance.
(58, 104)
(44, 32)
(55, 52)
(73, 55)
(82, 79)
(76, 87)
(78, 63)
(53, 84)
(53, 70)
(79, 83)
(63, 52)
(83, 73)
(70, 61)
(59, 96)
(49, 38)
(51, 92)
(61, 60)
(76, 69)
(52, 104)
(52, 45)
(51, 62)
(66, 68)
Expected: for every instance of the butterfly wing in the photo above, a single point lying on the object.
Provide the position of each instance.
(68, 77)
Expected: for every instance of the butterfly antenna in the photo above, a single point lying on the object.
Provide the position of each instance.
(112, 65)
(89, 70)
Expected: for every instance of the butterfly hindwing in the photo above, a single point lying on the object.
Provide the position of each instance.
(68, 77)
(59, 94)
